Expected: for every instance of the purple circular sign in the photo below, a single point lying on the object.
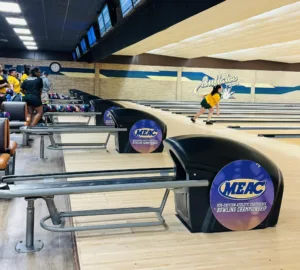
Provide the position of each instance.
(107, 116)
(242, 195)
(145, 136)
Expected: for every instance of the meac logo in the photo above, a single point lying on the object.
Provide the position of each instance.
(145, 132)
(109, 116)
(242, 189)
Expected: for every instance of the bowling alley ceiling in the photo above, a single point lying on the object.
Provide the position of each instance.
(55, 25)
(233, 30)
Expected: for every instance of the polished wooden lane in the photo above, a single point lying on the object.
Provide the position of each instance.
(174, 247)
(295, 141)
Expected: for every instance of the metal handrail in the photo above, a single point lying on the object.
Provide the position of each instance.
(27, 192)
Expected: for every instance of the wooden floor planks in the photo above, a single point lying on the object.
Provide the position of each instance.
(174, 247)
(58, 252)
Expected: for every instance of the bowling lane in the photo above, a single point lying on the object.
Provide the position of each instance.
(295, 141)
(246, 114)
(142, 245)
(269, 124)
(289, 140)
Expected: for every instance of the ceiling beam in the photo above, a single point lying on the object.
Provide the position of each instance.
(226, 13)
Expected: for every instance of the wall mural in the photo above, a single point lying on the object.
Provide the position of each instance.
(227, 82)
(234, 86)
(231, 84)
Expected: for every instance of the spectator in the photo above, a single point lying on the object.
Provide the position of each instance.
(3, 82)
(5, 74)
(32, 87)
(46, 87)
(26, 73)
(13, 81)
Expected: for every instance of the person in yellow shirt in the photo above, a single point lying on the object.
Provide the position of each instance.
(13, 82)
(208, 103)
(3, 82)
(26, 73)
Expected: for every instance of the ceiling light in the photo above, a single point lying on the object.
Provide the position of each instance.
(30, 43)
(22, 31)
(31, 47)
(26, 38)
(10, 7)
(16, 21)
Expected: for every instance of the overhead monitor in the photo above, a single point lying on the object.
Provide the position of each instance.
(77, 52)
(135, 2)
(83, 46)
(74, 56)
(106, 17)
(91, 36)
(104, 21)
(128, 5)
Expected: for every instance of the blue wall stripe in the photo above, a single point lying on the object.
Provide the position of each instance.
(78, 70)
(239, 89)
(136, 74)
(278, 90)
(195, 76)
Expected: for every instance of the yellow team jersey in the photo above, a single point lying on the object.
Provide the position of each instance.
(24, 77)
(12, 80)
(213, 100)
(3, 89)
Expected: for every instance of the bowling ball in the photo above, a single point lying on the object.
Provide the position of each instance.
(6, 115)
(10, 92)
(81, 108)
(53, 108)
(60, 108)
(77, 108)
(70, 108)
(84, 108)
(45, 108)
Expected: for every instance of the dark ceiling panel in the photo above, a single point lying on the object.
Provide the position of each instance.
(57, 25)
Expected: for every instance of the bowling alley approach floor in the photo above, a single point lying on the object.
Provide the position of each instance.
(174, 247)
(58, 251)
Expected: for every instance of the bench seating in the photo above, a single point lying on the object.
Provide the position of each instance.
(7, 148)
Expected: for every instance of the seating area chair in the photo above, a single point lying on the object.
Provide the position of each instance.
(7, 148)
(18, 117)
